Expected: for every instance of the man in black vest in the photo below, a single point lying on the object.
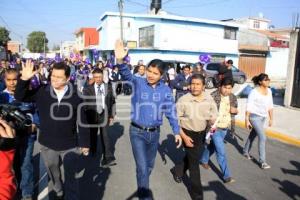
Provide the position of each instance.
(58, 105)
(100, 101)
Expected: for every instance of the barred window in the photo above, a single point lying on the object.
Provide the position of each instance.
(230, 33)
(146, 36)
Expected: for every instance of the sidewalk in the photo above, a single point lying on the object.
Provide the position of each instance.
(286, 123)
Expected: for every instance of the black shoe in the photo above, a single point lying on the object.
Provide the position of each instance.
(108, 162)
(144, 193)
(56, 197)
(176, 178)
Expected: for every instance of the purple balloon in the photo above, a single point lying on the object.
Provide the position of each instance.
(87, 60)
(71, 55)
(73, 77)
(34, 82)
(109, 64)
(204, 58)
(127, 59)
(95, 51)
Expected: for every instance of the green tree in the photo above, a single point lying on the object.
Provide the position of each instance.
(36, 41)
(4, 36)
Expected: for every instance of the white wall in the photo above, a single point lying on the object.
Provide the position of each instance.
(263, 25)
(80, 41)
(169, 35)
(37, 55)
(200, 37)
(277, 63)
(147, 56)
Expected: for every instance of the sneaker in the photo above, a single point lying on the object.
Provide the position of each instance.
(205, 165)
(247, 156)
(265, 166)
(229, 180)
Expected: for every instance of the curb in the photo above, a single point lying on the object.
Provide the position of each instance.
(274, 135)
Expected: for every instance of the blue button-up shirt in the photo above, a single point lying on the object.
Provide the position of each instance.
(148, 104)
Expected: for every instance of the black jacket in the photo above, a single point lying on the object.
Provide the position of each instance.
(91, 108)
(58, 129)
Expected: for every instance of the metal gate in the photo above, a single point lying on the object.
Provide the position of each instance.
(296, 84)
(252, 65)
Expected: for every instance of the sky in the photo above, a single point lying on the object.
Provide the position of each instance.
(61, 18)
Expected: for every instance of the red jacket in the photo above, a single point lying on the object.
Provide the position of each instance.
(7, 179)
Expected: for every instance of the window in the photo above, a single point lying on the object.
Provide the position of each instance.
(256, 24)
(213, 66)
(230, 33)
(234, 69)
(146, 36)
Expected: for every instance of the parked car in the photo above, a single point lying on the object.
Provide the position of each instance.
(212, 73)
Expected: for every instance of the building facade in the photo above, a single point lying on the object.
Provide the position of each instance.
(14, 47)
(68, 47)
(86, 40)
(168, 37)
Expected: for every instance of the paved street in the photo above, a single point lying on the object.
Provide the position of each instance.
(281, 182)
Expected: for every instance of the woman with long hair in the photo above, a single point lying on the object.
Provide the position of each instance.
(259, 109)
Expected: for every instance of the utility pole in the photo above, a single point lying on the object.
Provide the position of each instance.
(121, 5)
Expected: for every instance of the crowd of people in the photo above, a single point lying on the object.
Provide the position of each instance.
(69, 103)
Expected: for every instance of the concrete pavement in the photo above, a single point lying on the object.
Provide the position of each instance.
(286, 122)
(119, 183)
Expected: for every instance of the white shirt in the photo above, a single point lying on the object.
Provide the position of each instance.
(102, 88)
(60, 94)
(171, 73)
(259, 104)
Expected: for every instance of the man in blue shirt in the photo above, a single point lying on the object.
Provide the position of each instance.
(182, 82)
(150, 100)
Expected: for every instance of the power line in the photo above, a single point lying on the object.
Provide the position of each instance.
(200, 5)
(168, 1)
(8, 27)
(137, 3)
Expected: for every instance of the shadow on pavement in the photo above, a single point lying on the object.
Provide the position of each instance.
(234, 141)
(289, 188)
(168, 148)
(92, 183)
(115, 132)
(148, 194)
(221, 191)
(295, 172)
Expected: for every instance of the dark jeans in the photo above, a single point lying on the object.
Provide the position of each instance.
(191, 162)
(144, 147)
(23, 164)
(104, 139)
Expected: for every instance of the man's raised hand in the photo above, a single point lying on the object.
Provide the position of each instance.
(120, 51)
(28, 70)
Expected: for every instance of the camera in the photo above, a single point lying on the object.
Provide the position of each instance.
(16, 115)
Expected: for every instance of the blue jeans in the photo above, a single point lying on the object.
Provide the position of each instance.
(217, 144)
(257, 123)
(144, 147)
(26, 158)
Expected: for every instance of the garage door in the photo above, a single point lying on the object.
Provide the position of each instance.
(252, 65)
